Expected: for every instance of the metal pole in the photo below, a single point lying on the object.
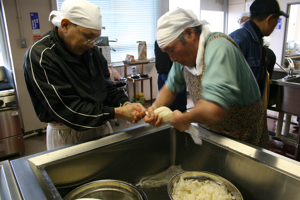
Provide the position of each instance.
(225, 9)
(19, 19)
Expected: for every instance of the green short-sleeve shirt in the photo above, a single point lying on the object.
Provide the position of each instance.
(227, 80)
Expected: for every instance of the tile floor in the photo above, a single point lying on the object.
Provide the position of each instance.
(37, 143)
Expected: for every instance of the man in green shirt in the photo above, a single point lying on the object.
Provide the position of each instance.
(220, 82)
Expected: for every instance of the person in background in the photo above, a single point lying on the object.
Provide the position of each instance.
(220, 82)
(67, 78)
(245, 16)
(163, 64)
(242, 18)
(264, 15)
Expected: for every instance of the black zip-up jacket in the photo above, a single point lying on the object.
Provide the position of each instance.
(64, 90)
(163, 62)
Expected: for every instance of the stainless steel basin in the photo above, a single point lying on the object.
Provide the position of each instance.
(141, 151)
(273, 89)
(8, 185)
(284, 93)
(295, 79)
(288, 95)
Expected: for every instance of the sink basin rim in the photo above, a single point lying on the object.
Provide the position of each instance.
(287, 81)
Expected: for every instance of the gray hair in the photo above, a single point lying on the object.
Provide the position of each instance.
(197, 29)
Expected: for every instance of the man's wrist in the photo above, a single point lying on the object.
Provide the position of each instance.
(153, 106)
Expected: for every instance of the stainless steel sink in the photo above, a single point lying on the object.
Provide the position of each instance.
(295, 79)
(144, 150)
(292, 81)
(8, 185)
(288, 95)
(284, 93)
(273, 89)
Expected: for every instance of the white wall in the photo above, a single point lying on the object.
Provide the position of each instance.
(215, 5)
(235, 7)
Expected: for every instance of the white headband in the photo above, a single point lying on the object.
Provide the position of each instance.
(172, 24)
(243, 14)
(80, 12)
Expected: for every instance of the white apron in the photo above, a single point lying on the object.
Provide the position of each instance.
(59, 135)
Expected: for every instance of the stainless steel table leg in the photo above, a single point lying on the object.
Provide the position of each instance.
(287, 125)
(279, 124)
(297, 148)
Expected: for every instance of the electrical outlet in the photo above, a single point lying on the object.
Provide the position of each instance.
(23, 42)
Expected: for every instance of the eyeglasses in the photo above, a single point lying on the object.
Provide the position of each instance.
(88, 41)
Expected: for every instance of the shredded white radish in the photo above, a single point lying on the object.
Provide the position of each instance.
(195, 190)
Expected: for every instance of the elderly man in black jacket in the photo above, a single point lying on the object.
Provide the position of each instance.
(65, 76)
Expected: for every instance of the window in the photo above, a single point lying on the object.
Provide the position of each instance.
(215, 20)
(1, 58)
(293, 26)
(193, 5)
(4, 47)
(1, 36)
(128, 21)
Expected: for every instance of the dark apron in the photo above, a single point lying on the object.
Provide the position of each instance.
(243, 122)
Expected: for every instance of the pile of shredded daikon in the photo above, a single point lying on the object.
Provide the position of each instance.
(195, 190)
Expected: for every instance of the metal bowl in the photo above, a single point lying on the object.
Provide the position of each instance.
(203, 176)
(107, 189)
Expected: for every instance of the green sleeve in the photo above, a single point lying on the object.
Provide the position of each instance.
(227, 78)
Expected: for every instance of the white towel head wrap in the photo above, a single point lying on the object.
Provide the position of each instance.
(243, 14)
(80, 12)
(172, 24)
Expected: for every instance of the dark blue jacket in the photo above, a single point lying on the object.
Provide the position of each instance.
(247, 39)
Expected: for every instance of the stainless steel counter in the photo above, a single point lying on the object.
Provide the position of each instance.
(141, 151)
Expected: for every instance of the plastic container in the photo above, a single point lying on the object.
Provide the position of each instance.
(133, 70)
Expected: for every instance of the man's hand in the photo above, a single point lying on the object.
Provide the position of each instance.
(139, 115)
(129, 112)
(179, 121)
(152, 118)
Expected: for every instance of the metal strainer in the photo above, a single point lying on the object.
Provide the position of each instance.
(203, 176)
(107, 190)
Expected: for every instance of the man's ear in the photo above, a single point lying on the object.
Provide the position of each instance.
(65, 25)
(268, 19)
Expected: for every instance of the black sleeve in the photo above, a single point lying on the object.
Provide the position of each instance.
(163, 63)
(271, 60)
(114, 96)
